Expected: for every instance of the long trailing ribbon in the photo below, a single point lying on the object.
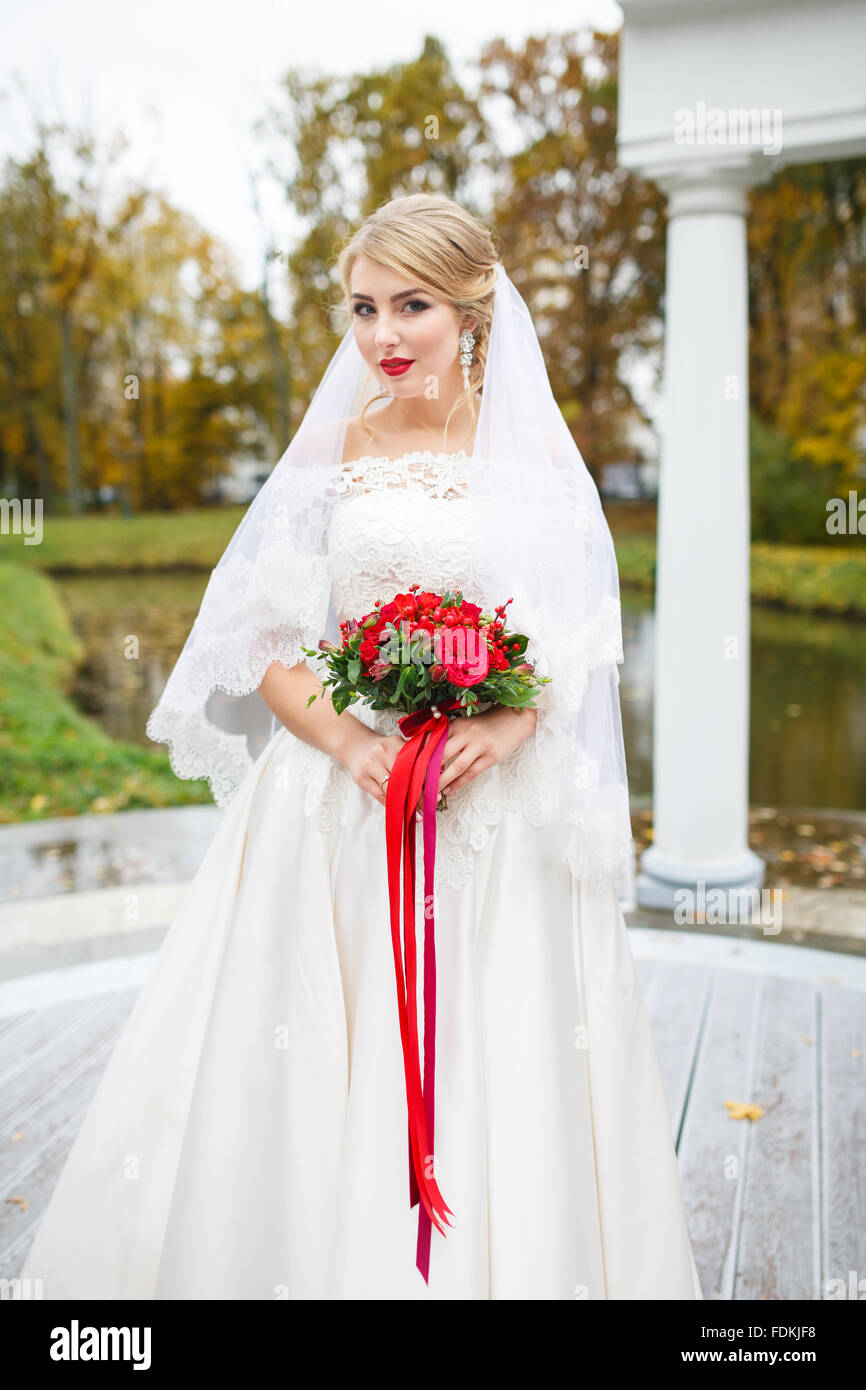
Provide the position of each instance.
(417, 766)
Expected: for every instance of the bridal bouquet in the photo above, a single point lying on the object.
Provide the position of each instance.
(427, 655)
(423, 648)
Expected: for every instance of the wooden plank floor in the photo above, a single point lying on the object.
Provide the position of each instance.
(776, 1208)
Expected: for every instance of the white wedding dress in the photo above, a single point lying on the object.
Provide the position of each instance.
(248, 1139)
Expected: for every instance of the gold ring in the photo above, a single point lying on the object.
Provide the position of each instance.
(383, 781)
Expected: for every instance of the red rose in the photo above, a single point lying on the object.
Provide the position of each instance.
(466, 658)
(369, 651)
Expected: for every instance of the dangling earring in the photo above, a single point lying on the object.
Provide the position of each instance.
(466, 342)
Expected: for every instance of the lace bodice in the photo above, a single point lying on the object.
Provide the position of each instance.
(395, 522)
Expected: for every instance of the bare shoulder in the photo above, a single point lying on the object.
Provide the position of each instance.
(324, 434)
(358, 440)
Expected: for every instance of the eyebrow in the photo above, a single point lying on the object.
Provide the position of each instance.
(404, 294)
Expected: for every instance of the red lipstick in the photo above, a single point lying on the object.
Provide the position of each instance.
(395, 366)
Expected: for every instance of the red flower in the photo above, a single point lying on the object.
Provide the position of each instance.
(467, 658)
(405, 604)
(470, 612)
(369, 650)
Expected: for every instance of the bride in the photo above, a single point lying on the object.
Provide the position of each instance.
(248, 1139)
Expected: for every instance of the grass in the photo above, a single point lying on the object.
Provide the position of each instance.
(53, 760)
(820, 579)
(125, 545)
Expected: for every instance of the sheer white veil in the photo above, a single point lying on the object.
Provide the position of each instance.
(543, 541)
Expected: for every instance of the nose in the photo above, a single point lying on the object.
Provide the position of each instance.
(386, 333)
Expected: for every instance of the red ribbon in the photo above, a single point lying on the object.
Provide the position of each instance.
(417, 765)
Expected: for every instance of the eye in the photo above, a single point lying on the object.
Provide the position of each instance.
(356, 309)
(419, 302)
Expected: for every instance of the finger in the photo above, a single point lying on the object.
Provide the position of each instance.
(457, 767)
(376, 774)
(377, 791)
(457, 736)
(480, 765)
(454, 746)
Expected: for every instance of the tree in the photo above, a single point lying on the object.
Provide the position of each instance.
(807, 310)
(344, 145)
(583, 237)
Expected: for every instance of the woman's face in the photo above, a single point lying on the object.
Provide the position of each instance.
(396, 320)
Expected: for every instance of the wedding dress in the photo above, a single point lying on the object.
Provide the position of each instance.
(248, 1138)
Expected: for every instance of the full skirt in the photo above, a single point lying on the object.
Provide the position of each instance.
(248, 1138)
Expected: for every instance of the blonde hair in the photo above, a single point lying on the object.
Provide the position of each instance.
(437, 244)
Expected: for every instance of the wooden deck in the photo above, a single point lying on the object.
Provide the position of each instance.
(776, 1207)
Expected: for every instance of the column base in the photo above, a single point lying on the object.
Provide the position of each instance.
(662, 876)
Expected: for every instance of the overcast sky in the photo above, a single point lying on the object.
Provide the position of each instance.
(187, 79)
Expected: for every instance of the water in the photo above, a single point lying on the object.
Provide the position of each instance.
(808, 683)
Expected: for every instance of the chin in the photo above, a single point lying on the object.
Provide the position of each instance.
(398, 386)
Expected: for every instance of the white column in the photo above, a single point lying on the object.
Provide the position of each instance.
(701, 715)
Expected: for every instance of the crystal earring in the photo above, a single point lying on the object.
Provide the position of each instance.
(466, 342)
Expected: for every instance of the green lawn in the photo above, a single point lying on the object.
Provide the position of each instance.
(153, 541)
(809, 579)
(53, 760)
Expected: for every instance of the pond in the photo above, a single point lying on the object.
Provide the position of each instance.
(808, 683)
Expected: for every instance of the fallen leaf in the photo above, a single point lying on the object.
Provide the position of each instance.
(743, 1110)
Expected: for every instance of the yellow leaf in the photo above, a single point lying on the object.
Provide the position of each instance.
(743, 1110)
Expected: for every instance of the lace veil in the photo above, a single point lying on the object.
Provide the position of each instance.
(544, 542)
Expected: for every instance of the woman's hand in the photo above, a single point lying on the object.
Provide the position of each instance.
(478, 741)
(474, 743)
(369, 762)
